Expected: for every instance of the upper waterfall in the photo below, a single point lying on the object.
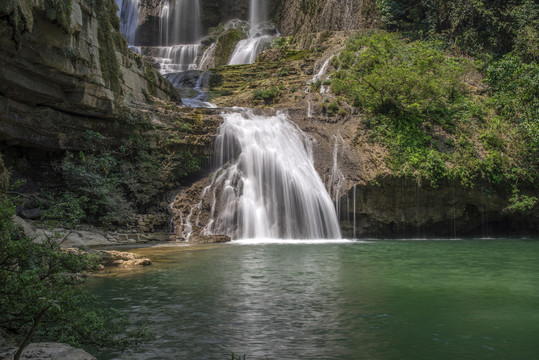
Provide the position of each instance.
(128, 12)
(260, 34)
(185, 25)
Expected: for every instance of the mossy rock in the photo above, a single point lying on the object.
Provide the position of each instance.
(225, 45)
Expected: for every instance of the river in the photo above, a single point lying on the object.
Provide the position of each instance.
(424, 299)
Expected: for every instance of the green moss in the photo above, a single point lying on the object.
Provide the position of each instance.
(225, 45)
(267, 95)
(59, 11)
(150, 78)
(108, 36)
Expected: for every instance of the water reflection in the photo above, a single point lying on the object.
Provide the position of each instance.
(371, 300)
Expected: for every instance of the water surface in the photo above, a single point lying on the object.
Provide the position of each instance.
(467, 299)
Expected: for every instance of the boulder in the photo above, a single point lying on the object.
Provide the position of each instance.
(209, 239)
(47, 351)
(122, 259)
(30, 214)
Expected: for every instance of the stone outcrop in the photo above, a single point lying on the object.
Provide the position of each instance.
(88, 237)
(309, 16)
(393, 206)
(47, 351)
(113, 258)
(59, 79)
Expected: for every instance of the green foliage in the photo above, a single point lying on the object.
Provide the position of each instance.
(477, 27)
(267, 95)
(521, 203)
(153, 173)
(381, 74)
(215, 79)
(514, 89)
(330, 108)
(110, 39)
(41, 297)
(415, 102)
(92, 192)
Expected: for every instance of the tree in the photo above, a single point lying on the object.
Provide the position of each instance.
(41, 294)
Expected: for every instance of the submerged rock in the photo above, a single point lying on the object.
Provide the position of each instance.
(209, 239)
(122, 259)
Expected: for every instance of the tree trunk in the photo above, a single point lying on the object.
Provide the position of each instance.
(28, 336)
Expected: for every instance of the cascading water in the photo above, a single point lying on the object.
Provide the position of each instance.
(186, 22)
(247, 50)
(179, 28)
(178, 43)
(266, 186)
(128, 12)
(175, 58)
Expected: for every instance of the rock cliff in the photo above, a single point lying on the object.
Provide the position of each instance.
(62, 68)
(308, 16)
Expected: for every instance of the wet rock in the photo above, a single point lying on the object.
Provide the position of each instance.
(209, 239)
(122, 259)
(47, 351)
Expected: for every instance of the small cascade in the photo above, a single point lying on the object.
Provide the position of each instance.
(180, 32)
(354, 205)
(266, 185)
(178, 43)
(176, 58)
(206, 59)
(198, 101)
(320, 74)
(164, 24)
(247, 50)
(128, 13)
(336, 182)
(260, 35)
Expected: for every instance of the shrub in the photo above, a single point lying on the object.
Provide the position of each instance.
(267, 95)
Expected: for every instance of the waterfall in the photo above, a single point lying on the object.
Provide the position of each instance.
(266, 185)
(186, 22)
(247, 50)
(164, 24)
(176, 57)
(257, 14)
(128, 13)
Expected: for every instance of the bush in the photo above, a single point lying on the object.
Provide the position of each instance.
(268, 95)
(404, 89)
(480, 27)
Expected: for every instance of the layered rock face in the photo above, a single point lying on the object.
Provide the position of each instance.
(306, 16)
(400, 207)
(62, 73)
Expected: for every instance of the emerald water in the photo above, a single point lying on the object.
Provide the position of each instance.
(465, 299)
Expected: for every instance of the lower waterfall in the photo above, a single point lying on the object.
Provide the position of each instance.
(266, 185)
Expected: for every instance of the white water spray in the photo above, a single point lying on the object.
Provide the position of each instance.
(267, 186)
(247, 50)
